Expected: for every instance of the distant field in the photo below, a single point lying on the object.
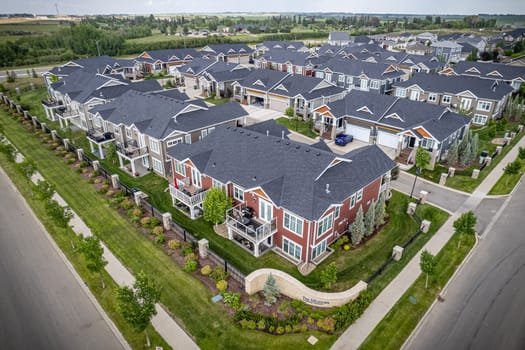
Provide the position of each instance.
(13, 31)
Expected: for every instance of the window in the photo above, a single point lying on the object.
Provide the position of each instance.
(432, 98)
(238, 193)
(319, 75)
(157, 165)
(328, 77)
(359, 195)
(299, 70)
(401, 92)
(154, 146)
(479, 119)
(466, 103)
(265, 210)
(292, 248)
(210, 130)
(484, 106)
(336, 212)
(325, 224)
(172, 143)
(180, 168)
(364, 84)
(319, 249)
(427, 143)
(216, 183)
(446, 99)
(341, 78)
(349, 80)
(293, 224)
(374, 84)
(187, 139)
(204, 133)
(128, 133)
(196, 177)
(352, 201)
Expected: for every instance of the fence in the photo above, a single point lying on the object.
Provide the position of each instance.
(178, 230)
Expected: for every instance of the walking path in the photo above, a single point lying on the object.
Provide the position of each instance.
(356, 334)
(163, 323)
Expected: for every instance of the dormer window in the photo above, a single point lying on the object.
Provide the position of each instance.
(365, 109)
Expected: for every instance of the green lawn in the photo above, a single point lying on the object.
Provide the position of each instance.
(215, 101)
(184, 296)
(506, 183)
(397, 325)
(298, 126)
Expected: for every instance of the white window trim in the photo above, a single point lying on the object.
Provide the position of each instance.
(374, 84)
(327, 220)
(445, 98)
(479, 119)
(314, 249)
(157, 164)
(156, 148)
(401, 92)
(179, 166)
(432, 97)
(296, 246)
(236, 191)
(298, 223)
(484, 103)
(359, 196)
(338, 211)
(172, 143)
(352, 201)
(187, 139)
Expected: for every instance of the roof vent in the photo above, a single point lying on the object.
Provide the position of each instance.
(318, 154)
(254, 178)
(307, 150)
(282, 134)
(241, 131)
(267, 132)
(297, 147)
(213, 165)
(256, 137)
(287, 143)
(327, 189)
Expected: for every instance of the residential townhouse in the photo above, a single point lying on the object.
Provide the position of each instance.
(339, 38)
(481, 99)
(447, 51)
(234, 53)
(289, 197)
(352, 74)
(293, 62)
(156, 61)
(284, 45)
(397, 124)
(512, 75)
(279, 91)
(426, 37)
(145, 126)
(220, 82)
(418, 49)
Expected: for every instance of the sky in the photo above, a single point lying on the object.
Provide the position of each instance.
(85, 7)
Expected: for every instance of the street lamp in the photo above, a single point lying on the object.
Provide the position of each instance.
(418, 171)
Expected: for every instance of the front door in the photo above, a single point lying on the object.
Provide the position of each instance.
(466, 103)
(265, 210)
(196, 177)
(414, 95)
(411, 142)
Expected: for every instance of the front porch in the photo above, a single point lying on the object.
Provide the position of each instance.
(190, 197)
(97, 140)
(251, 233)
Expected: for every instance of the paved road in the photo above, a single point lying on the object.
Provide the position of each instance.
(440, 196)
(22, 73)
(42, 305)
(483, 306)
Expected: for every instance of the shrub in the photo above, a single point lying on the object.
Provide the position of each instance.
(190, 265)
(96, 173)
(222, 285)
(288, 329)
(341, 241)
(110, 193)
(91, 181)
(70, 161)
(160, 239)
(190, 256)
(219, 274)
(83, 164)
(346, 247)
(326, 324)
(174, 244)
(126, 204)
(271, 329)
(157, 230)
(261, 325)
(137, 212)
(206, 270)
(97, 181)
(145, 221)
(154, 222)
(104, 188)
(232, 299)
(135, 219)
(279, 330)
(78, 170)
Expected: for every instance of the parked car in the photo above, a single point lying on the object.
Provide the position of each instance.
(343, 139)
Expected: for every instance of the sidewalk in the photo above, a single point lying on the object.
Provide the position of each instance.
(356, 334)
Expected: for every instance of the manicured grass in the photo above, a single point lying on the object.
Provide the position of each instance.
(106, 297)
(506, 183)
(220, 101)
(186, 298)
(397, 325)
(299, 126)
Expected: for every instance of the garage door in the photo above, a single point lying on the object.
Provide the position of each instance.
(387, 139)
(278, 105)
(358, 132)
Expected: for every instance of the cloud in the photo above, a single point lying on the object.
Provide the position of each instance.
(150, 3)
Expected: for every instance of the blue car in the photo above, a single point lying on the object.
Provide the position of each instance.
(343, 139)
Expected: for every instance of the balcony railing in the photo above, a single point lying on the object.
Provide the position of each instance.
(252, 229)
(186, 197)
(99, 136)
(132, 151)
(51, 103)
(64, 113)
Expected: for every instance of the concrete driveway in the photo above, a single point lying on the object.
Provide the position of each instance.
(258, 114)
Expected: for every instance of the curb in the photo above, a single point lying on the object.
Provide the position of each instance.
(438, 185)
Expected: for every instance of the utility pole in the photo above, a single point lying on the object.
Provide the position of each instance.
(98, 48)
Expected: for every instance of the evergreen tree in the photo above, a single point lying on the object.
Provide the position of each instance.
(270, 291)
(370, 219)
(380, 210)
(463, 144)
(452, 155)
(474, 147)
(358, 227)
(466, 156)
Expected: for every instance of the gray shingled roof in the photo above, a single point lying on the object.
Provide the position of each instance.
(340, 36)
(298, 84)
(482, 88)
(112, 92)
(270, 126)
(289, 45)
(268, 77)
(286, 170)
(356, 68)
(196, 66)
(284, 56)
(224, 48)
(230, 75)
(165, 55)
(173, 93)
(508, 72)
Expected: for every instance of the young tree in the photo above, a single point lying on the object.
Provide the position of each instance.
(512, 169)
(94, 254)
(329, 275)
(215, 205)
(61, 216)
(380, 213)
(358, 227)
(9, 150)
(521, 153)
(33, 73)
(370, 219)
(137, 304)
(465, 225)
(422, 158)
(27, 168)
(111, 153)
(270, 291)
(466, 156)
(428, 265)
(43, 190)
(474, 146)
(452, 155)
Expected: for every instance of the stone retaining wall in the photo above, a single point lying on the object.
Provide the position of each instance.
(293, 288)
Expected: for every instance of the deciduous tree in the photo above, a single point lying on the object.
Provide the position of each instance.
(215, 205)
(329, 275)
(428, 265)
(94, 254)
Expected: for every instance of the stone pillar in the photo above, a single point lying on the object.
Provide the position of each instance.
(43, 126)
(425, 225)
(411, 208)
(498, 150)
(66, 144)
(443, 179)
(423, 197)
(488, 160)
(54, 135)
(397, 253)
(203, 248)
(96, 165)
(19, 108)
(115, 181)
(166, 221)
(512, 135)
(475, 173)
(34, 121)
(520, 127)
(451, 171)
(26, 114)
(80, 153)
(137, 196)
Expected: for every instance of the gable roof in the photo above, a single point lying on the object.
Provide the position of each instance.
(270, 126)
(167, 55)
(292, 174)
(308, 87)
(507, 72)
(268, 78)
(338, 36)
(227, 49)
(357, 68)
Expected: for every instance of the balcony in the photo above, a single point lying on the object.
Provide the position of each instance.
(131, 152)
(99, 136)
(188, 195)
(65, 113)
(51, 103)
(250, 230)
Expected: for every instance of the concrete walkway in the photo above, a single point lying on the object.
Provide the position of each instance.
(356, 334)
(163, 323)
